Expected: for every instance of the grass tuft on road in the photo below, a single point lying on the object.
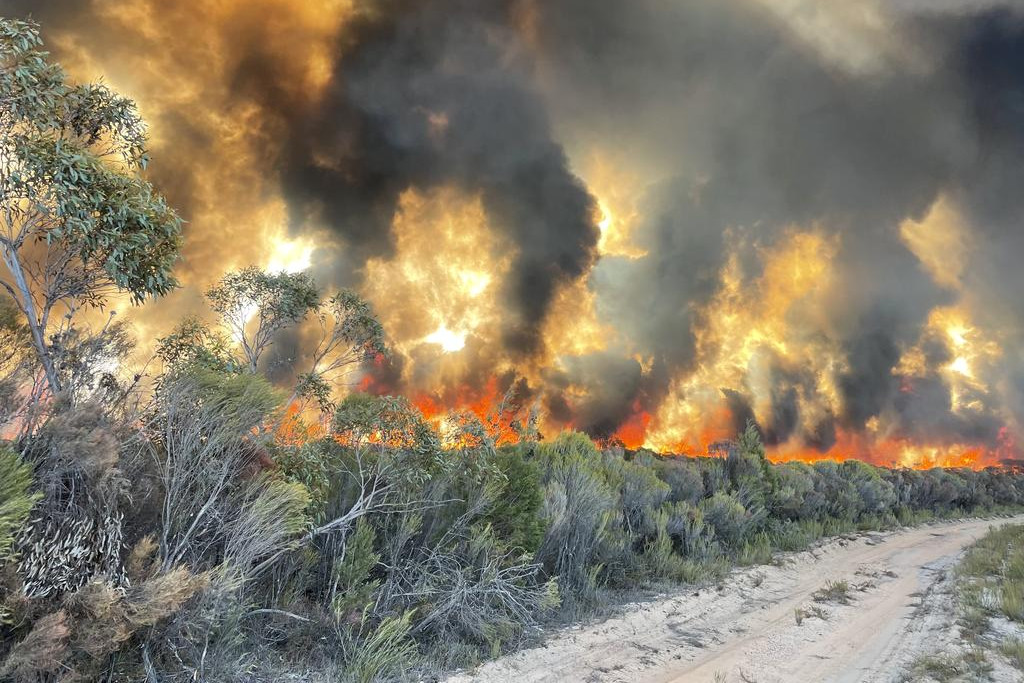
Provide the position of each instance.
(834, 591)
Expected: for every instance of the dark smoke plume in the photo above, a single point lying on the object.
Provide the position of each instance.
(742, 125)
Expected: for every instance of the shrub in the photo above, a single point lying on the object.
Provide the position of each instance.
(1013, 650)
(579, 512)
(515, 514)
(16, 500)
(727, 517)
(42, 651)
(379, 650)
(756, 551)
(202, 436)
(833, 591)
(352, 589)
(641, 497)
(794, 496)
(683, 477)
(693, 537)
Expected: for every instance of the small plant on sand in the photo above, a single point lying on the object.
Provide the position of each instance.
(801, 613)
(833, 591)
(939, 667)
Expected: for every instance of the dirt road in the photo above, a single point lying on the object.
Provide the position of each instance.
(745, 629)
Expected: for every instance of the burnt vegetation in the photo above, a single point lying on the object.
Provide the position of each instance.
(190, 520)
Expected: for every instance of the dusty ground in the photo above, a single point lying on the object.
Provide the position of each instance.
(745, 629)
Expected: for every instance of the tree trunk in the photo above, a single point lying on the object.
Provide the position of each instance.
(28, 307)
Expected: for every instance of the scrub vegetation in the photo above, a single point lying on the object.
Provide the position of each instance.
(194, 521)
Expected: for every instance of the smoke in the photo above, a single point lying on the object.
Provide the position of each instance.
(668, 218)
(756, 126)
(431, 95)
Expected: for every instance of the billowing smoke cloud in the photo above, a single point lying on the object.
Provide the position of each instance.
(754, 129)
(671, 217)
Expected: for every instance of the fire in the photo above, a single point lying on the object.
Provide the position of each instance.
(747, 330)
(972, 356)
(294, 429)
(617, 212)
(448, 340)
(485, 404)
(633, 432)
(252, 123)
(440, 297)
(442, 285)
(481, 402)
(893, 453)
(290, 255)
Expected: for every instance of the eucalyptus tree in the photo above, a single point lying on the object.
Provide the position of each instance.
(350, 334)
(254, 305)
(78, 221)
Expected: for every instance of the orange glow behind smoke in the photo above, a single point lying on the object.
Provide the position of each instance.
(748, 328)
(440, 298)
(439, 295)
(442, 290)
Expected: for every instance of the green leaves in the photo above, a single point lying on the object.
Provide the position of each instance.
(254, 305)
(15, 499)
(108, 218)
(30, 88)
(227, 406)
(193, 343)
(393, 428)
(389, 420)
(280, 298)
(358, 325)
(352, 573)
(72, 156)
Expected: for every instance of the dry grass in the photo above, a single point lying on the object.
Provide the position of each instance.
(938, 667)
(801, 613)
(834, 591)
(990, 585)
(42, 651)
(992, 576)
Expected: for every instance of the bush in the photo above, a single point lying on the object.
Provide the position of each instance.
(683, 476)
(41, 652)
(380, 650)
(641, 496)
(727, 517)
(16, 500)
(515, 514)
(579, 512)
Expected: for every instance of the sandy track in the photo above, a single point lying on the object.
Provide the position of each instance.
(745, 628)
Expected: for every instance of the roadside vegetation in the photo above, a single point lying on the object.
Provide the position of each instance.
(190, 520)
(990, 601)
